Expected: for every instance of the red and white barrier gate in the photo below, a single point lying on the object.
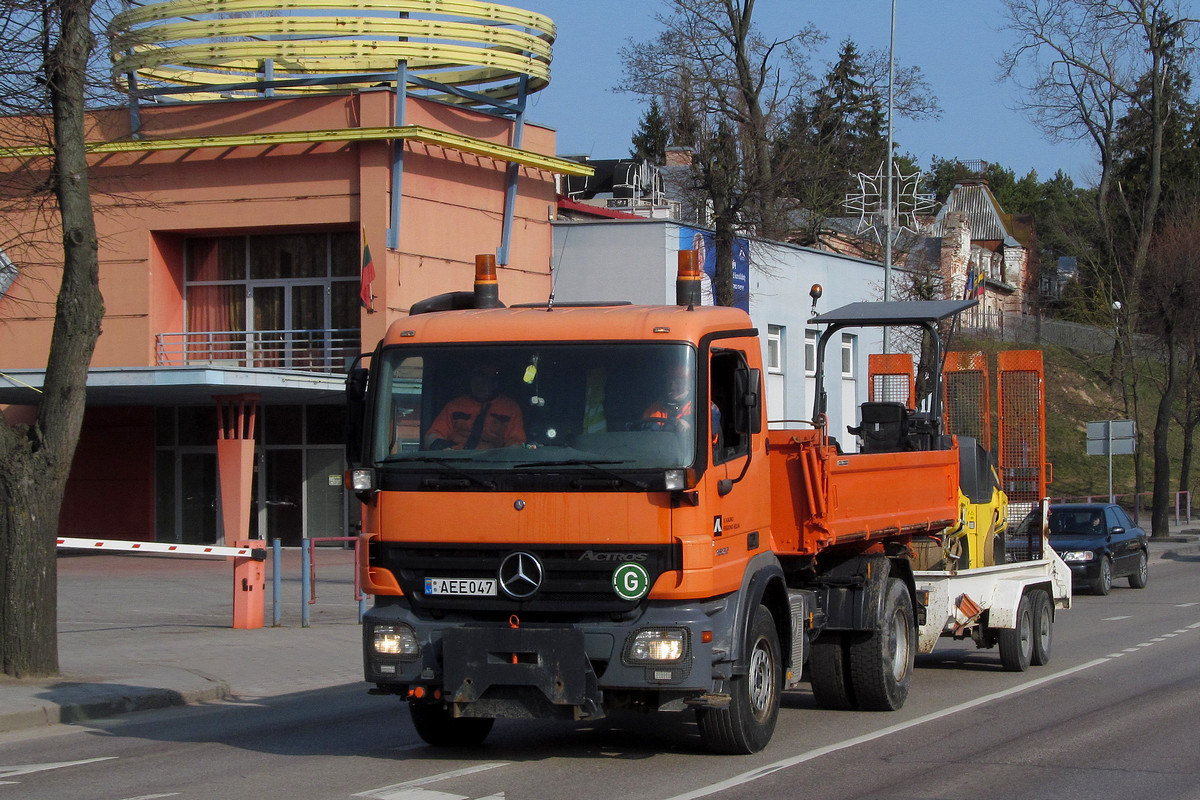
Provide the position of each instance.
(248, 572)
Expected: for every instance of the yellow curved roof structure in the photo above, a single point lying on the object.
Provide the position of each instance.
(482, 48)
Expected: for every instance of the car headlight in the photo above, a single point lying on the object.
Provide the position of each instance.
(395, 640)
(657, 646)
(1077, 555)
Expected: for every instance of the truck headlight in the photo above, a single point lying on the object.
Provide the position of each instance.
(395, 640)
(361, 479)
(1077, 555)
(657, 646)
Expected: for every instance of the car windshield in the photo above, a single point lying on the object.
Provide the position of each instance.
(594, 408)
(1076, 521)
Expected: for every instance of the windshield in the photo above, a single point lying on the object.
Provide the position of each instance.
(594, 408)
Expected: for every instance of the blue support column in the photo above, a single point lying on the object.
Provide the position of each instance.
(276, 582)
(393, 235)
(510, 192)
(305, 583)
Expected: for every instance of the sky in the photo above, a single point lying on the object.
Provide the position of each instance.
(956, 43)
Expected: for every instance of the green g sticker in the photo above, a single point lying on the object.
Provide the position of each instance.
(630, 581)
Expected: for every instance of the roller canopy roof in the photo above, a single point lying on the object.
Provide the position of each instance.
(911, 312)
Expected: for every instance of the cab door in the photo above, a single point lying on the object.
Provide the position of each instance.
(736, 478)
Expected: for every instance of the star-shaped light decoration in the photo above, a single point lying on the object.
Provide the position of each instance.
(907, 201)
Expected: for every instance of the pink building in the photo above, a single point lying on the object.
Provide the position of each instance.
(232, 240)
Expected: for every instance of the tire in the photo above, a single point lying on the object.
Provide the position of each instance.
(881, 662)
(829, 673)
(1043, 628)
(1016, 644)
(1103, 584)
(747, 723)
(437, 727)
(1140, 576)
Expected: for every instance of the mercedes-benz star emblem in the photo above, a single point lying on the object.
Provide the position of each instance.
(520, 575)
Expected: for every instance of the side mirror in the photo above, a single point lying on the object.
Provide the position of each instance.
(356, 404)
(747, 416)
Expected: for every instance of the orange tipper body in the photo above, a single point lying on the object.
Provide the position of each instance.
(600, 519)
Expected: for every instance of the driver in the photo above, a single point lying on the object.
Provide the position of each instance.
(674, 408)
(482, 419)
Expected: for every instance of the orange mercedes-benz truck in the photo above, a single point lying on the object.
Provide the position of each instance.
(570, 509)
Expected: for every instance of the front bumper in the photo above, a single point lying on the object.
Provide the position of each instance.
(544, 670)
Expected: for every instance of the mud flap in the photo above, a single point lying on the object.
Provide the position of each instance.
(484, 666)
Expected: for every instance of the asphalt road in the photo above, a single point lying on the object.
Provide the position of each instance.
(1115, 714)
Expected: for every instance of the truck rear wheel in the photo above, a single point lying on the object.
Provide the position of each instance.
(1016, 643)
(746, 724)
(438, 727)
(829, 672)
(881, 662)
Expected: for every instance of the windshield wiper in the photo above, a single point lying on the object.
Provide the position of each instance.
(444, 463)
(593, 464)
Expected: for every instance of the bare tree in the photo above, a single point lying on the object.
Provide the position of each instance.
(1085, 65)
(55, 44)
(1171, 299)
(723, 87)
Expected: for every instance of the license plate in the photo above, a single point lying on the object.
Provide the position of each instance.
(462, 587)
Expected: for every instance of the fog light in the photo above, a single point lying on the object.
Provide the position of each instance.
(675, 479)
(657, 646)
(396, 640)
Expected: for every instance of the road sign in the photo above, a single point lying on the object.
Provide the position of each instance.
(1111, 437)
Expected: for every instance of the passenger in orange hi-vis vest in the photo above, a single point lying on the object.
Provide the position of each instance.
(480, 420)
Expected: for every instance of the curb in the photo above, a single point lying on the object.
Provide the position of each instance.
(102, 700)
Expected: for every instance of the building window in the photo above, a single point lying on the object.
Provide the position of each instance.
(848, 347)
(810, 353)
(775, 349)
(272, 300)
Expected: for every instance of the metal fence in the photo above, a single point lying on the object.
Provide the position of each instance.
(307, 350)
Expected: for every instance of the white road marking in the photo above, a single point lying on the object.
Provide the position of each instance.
(26, 769)
(1114, 655)
(1186, 605)
(764, 771)
(154, 796)
(418, 794)
(1114, 619)
(395, 791)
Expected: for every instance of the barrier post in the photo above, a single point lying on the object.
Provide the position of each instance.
(249, 579)
(276, 582)
(305, 583)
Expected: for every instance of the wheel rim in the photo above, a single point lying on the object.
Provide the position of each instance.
(899, 646)
(1044, 626)
(1105, 574)
(762, 681)
(1143, 568)
(1026, 633)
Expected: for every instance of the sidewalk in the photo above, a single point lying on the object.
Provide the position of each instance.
(139, 632)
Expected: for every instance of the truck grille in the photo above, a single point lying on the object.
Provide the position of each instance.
(574, 579)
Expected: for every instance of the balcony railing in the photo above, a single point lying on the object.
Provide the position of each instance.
(310, 351)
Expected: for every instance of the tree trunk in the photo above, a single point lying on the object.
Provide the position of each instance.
(1160, 504)
(35, 460)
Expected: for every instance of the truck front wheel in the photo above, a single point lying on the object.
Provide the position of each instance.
(746, 724)
(438, 727)
(881, 662)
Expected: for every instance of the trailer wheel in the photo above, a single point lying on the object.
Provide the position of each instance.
(881, 663)
(829, 672)
(438, 727)
(1016, 644)
(1043, 628)
(747, 723)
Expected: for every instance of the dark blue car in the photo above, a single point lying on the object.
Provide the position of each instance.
(1100, 543)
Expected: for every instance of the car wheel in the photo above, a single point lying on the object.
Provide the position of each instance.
(1141, 575)
(1103, 584)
